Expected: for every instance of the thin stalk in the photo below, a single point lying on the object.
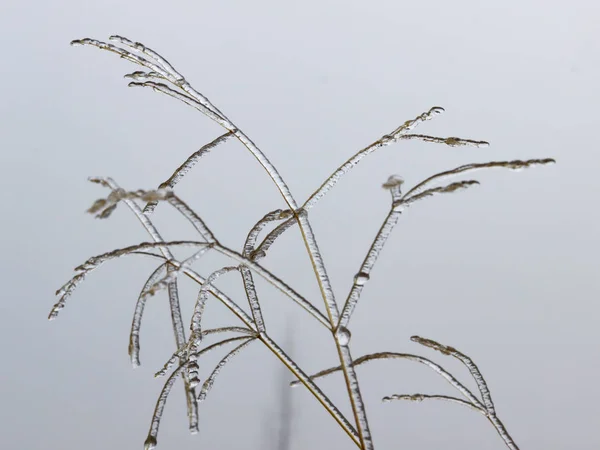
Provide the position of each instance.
(310, 242)
(192, 405)
(304, 379)
(241, 314)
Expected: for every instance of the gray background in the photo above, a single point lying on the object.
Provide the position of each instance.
(506, 272)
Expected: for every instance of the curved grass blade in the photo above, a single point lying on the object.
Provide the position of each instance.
(95, 261)
(134, 335)
(450, 141)
(511, 165)
(467, 362)
(448, 189)
(421, 397)
(393, 355)
(208, 383)
(151, 440)
(183, 169)
(356, 158)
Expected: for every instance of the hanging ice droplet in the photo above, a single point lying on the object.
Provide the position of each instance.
(150, 443)
(361, 278)
(195, 381)
(343, 335)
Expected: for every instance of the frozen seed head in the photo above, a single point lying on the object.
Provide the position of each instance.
(343, 335)
(394, 181)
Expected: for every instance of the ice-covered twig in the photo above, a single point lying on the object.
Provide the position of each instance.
(356, 158)
(450, 141)
(208, 383)
(448, 189)
(363, 275)
(94, 262)
(307, 233)
(467, 362)
(185, 352)
(421, 397)
(488, 408)
(183, 169)
(393, 355)
(511, 165)
(151, 440)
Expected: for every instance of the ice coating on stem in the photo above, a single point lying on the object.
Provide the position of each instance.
(188, 100)
(364, 272)
(177, 321)
(203, 296)
(196, 332)
(151, 440)
(134, 335)
(191, 97)
(511, 165)
(468, 363)
(247, 277)
(151, 53)
(208, 383)
(184, 168)
(421, 397)
(185, 352)
(94, 262)
(360, 413)
(192, 217)
(449, 189)
(319, 267)
(450, 141)
(311, 386)
(253, 301)
(175, 269)
(354, 160)
(123, 54)
(271, 237)
(140, 75)
(276, 282)
(393, 355)
(250, 244)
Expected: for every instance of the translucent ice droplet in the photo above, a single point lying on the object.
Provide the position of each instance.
(361, 278)
(150, 443)
(343, 335)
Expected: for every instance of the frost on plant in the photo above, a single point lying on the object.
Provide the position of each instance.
(187, 361)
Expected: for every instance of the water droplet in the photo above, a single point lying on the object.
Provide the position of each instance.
(361, 278)
(343, 335)
(150, 443)
(436, 110)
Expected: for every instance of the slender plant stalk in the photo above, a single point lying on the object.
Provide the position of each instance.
(263, 337)
(204, 105)
(164, 78)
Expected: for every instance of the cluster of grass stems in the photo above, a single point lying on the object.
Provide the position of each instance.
(161, 76)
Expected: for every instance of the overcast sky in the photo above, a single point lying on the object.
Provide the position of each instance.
(507, 271)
